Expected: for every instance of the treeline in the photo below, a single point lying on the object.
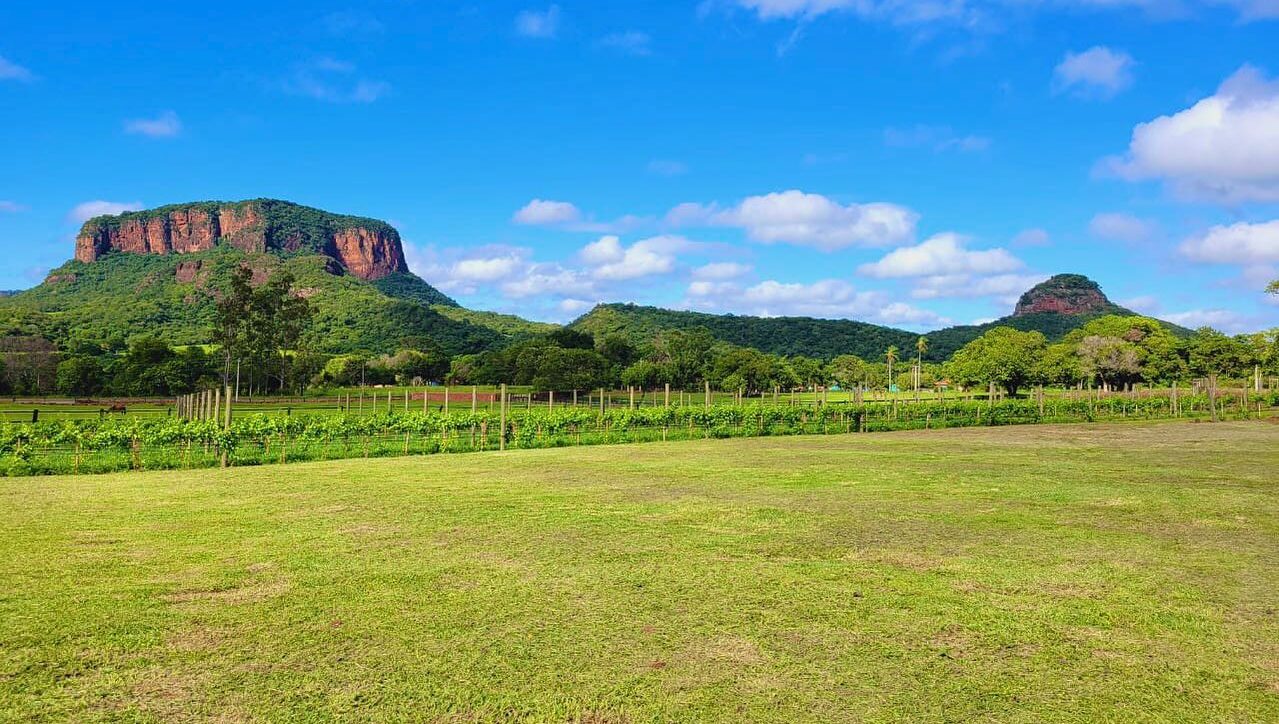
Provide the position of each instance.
(1110, 352)
(260, 347)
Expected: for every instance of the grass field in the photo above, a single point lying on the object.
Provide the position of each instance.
(1112, 572)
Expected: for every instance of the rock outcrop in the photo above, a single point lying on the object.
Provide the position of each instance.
(364, 248)
(368, 253)
(1065, 294)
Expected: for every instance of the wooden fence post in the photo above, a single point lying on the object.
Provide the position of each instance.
(668, 395)
(501, 439)
(708, 393)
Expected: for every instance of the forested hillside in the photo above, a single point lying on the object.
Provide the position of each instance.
(821, 338)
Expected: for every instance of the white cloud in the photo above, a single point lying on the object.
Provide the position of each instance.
(89, 209)
(937, 138)
(334, 81)
(487, 270)
(539, 212)
(1240, 243)
(721, 270)
(165, 125)
(574, 306)
(1005, 288)
(691, 214)
(667, 167)
(1096, 72)
(605, 250)
(11, 207)
(898, 12)
(1223, 148)
(1222, 319)
(1145, 304)
(795, 217)
(979, 15)
(943, 254)
(631, 42)
(828, 298)
(562, 214)
(1122, 227)
(609, 260)
(12, 71)
(1032, 237)
(549, 279)
(538, 23)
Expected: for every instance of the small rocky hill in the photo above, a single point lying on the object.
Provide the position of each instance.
(1071, 294)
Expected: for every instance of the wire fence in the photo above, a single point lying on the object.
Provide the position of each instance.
(120, 444)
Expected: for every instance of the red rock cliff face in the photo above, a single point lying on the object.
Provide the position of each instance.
(243, 228)
(367, 253)
(1064, 294)
(179, 232)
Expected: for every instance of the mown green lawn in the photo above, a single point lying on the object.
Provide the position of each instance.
(1077, 573)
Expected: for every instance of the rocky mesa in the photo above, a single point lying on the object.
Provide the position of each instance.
(365, 248)
(1072, 294)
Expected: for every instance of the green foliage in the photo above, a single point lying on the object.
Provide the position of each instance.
(505, 325)
(259, 326)
(122, 294)
(404, 285)
(151, 367)
(81, 376)
(1003, 356)
(821, 338)
(121, 443)
(1213, 353)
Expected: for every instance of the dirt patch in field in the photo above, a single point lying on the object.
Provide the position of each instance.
(253, 592)
(732, 649)
(200, 639)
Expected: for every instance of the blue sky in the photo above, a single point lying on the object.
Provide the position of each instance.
(909, 163)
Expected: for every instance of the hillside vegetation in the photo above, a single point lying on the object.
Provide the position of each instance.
(820, 338)
(124, 295)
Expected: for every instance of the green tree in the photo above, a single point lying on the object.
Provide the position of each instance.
(1112, 361)
(412, 366)
(686, 353)
(646, 374)
(740, 368)
(81, 376)
(1059, 365)
(1214, 353)
(619, 352)
(807, 371)
(260, 326)
(890, 356)
(849, 370)
(232, 318)
(1005, 356)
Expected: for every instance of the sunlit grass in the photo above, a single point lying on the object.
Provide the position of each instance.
(1085, 572)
